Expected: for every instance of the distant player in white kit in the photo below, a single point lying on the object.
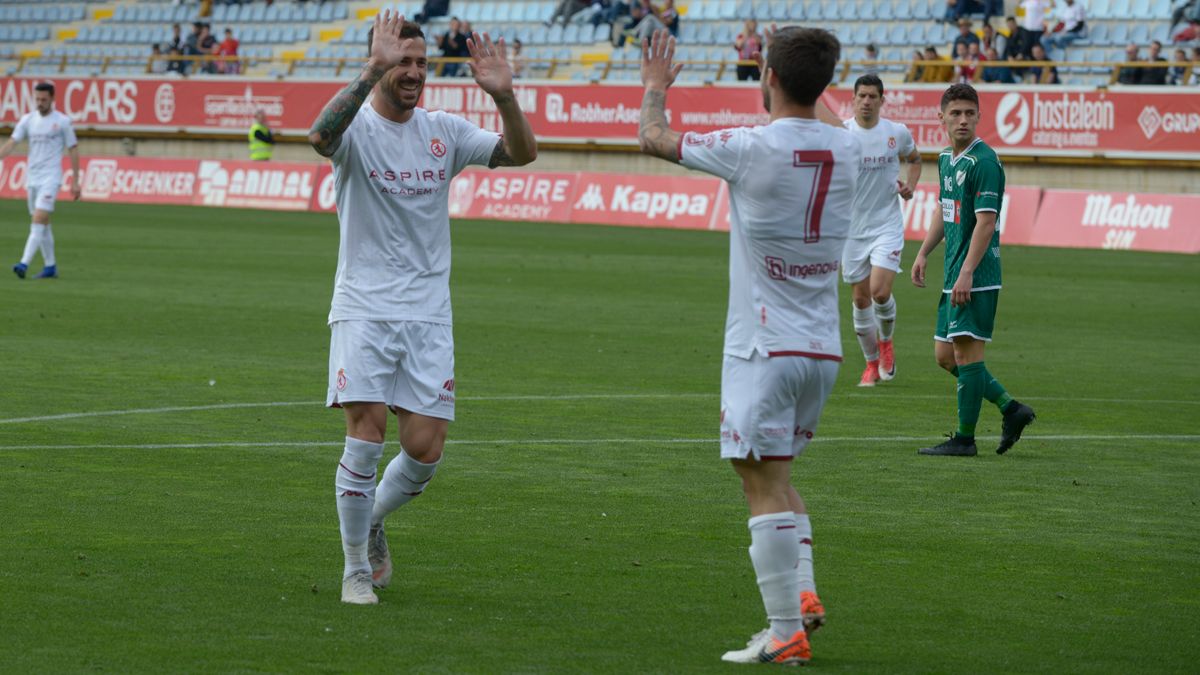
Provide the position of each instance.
(392, 346)
(49, 133)
(872, 256)
(791, 186)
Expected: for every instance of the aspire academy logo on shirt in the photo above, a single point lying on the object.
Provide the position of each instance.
(401, 182)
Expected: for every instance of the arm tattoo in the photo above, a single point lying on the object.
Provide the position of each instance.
(326, 133)
(654, 134)
(500, 156)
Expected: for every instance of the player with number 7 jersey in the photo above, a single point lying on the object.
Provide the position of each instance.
(791, 186)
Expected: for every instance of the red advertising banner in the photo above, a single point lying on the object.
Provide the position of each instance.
(1138, 121)
(1030, 215)
(1162, 122)
(1119, 220)
(645, 201)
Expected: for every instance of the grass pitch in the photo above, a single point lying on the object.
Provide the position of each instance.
(166, 466)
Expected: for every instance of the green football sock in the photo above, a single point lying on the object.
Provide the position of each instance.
(972, 381)
(995, 392)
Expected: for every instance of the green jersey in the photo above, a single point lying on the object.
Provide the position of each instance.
(970, 183)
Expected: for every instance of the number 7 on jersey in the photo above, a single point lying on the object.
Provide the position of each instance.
(819, 167)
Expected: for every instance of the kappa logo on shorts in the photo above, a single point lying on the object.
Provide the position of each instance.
(807, 433)
(447, 395)
(437, 147)
(448, 385)
(895, 254)
(341, 379)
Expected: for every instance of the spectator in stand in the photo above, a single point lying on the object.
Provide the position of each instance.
(965, 35)
(567, 9)
(176, 65)
(157, 64)
(651, 19)
(228, 48)
(870, 60)
(191, 47)
(610, 11)
(1178, 72)
(989, 39)
(1071, 26)
(1014, 40)
(1041, 74)
(936, 73)
(916, 72)
(957, 9)
(993, 73)
(1034, 23)
(748, 43)
(668, 15)
(1154, 75)
(453, 44)
(208, 47)
(1195, 66)
(966, 68)
(516, 59)
(1130, 75)
(1186, 10)
(176, 40)
(431, 10)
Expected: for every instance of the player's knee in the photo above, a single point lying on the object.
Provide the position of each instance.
(881, 296)
(946, 361)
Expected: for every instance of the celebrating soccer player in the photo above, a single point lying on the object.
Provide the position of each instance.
(872, 256)
(49, 132)
(392, 346)
(971, 181)
(791, 186)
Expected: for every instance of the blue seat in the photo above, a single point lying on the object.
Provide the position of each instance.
(916, 34)
(861, 34)
(887, 11)
(1119, 34)
(1139, 34)
(1099, 9)
(1161, 32)
(1140, 9)
(879, 33)
(258, 14)
(271, 13)
(311, 11)
(1098, 33)
(1120, 9)
(921, 10)
(897, 34)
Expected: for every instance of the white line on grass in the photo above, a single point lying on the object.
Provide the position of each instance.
(543, 397)
(588, 441)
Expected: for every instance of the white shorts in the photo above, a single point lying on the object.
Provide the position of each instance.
(42, 195)
(882, 250)
(770, 406)
(405, 364)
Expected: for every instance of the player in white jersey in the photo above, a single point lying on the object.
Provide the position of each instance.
(49, 132)
(392, 346)
(872, 256)
(791, 186)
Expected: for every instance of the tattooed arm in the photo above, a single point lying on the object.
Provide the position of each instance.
(387, 49)
(326, 133)
(655, 135)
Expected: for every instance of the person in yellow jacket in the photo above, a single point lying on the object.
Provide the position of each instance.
(262, 142)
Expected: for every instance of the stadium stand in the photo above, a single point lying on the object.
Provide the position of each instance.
(321, 39)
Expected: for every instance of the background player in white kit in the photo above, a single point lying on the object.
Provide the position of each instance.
(791, 185)
(872, 256)
(392, 345)
(49, 133)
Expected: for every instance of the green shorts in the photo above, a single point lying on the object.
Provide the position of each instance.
(975, 319)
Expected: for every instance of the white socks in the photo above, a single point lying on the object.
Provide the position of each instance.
(355, 493)
(865, 329)
(34, 242)
(804, 570)
(774, 550)
(885, 318)
(404, 479)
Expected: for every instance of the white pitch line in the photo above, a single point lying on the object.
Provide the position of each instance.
(543, 397)
(588, 441)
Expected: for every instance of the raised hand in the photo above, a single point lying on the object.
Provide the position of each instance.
(489, 64)
(388, 49)
(658, 73)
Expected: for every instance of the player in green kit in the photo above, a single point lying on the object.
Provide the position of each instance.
(971, 182)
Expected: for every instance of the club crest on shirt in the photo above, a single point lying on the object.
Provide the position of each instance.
(341, 379)
(960, 177)
(437, 147)
(891, 142)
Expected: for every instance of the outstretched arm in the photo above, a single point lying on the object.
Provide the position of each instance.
(655, 135)
(387, 50)
(493, 74)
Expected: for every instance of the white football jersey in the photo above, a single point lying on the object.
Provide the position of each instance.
(876, 205)
(791, 187)
(392, 183)
(49, 135)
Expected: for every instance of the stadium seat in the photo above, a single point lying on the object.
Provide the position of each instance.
(1162, 33)
(571, 34)
(916, 34)
(1140, 34)
(1140, 9)
(861, 34)
(1120, 9)
(1119, 34)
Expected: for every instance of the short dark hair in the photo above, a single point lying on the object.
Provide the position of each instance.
(408, 29)
(46, 87)
(869, 80)
(803, 59)
(1154, 43)
(960, 92)
(1011, 18)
